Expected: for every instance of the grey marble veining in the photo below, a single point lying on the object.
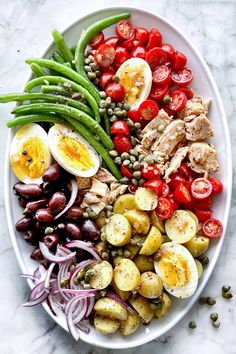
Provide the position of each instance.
(25, 27)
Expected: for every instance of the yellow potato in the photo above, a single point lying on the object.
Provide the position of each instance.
(164, 306)
(152, 242)
(144, 263)
(145, 199)
(199, 268)
(123, 294)
(151, 285)
(101, 219)
(118, 230)
(130, 325)
(165, 238)
(139, 220)
(194, 217)
(105, 325)
(126, 275)
(155, 221)
(101, 275)
(180, 227)
(142, 306)
(197, 245)
(110, 308)
(123, 203)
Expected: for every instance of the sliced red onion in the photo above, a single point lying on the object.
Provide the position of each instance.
(37, 291)
(53, 258)
(121, 302)
(90, 306)
(74, 192)
(29, 276)
(81, 307)
(83, 327)
(50, 302)
(37, 301)
(69, 318)
(78, 292)
(84, 246)
(39, 271)
(62, 274)
(48, 276)
(77, 269)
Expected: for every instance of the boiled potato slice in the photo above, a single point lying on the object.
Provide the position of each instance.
(197, 245)
(142, 306)
(165, 238)
(144, 263)
(139, 220)
(130, 325)
(155, 221)
(123, 203)
(105, 325)
(194, 217)
(145, 199)
(126, 275)
(118, 230)
(151, 285)
(180, 227)
(101, 275)
(123, 294)
(199, 268)
(152, 242)
(110, 308)
(164, 306)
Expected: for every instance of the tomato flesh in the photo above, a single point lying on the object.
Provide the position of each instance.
(142, 35)
(176, 179)
(148, 109)
(187, 91)
(150, 172)
(169, 51)
(126, 172)
(178, 101)
(116, 91)
(155, 39)
(165, 208)
(105, 79)
(181, 194)
(113, 41)
(122, 143)
(155, 184)
(201, 188)
(97, 40)
(121, 55)
(182, 77)
(204, 204)
(203, 215)
(212, 228)
(165, 190)
(217, 186)
(158, 92)
(161, 75)
(119, 127)
(124, 29)
(156, 57)
(104, 55)
(134, 115)
(138, 52)
(180, 60)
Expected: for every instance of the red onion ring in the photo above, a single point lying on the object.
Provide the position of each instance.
(84, 246)
(78, 292)
(53, 258)
(37, 301)
(77, 269)
(121, 302)
(90, 306)
(74, 192)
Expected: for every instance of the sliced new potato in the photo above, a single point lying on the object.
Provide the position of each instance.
(139, 220)
(142, 306)
(110, 308)
(101, 275)
(126, 275)
(145, 199)
(130, 325)
(199, 268)
(155, 221)
(194, 217)
(118, 230)
(151, 285)
(180, 227)
(123, 203)
(123, 294)
(144, 263)
(105, 325)
(164, 306)
(152, 242)
(197, 245)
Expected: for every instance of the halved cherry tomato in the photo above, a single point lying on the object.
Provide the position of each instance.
(165, 208)
(165, 190)
(130, 44)
(116, 91)
(126, 172)
(142, 35)
(132, 188)
(124, 29)
(180, 60)
(113, 41)
(187, 91)
(204, 204)
(121, 55)
(217, 186)
(178, 101)
(155, 39)
(122, 143)
(134, 115)
(181, 194)
(158, 92)
(182, 77)
(184, 170)
(104, 55)
(148, 109)
(168, 110)
(150, 172)
(203, 215)
(105, 79)
(161, 75)
(155, 57)
(97, 40)
(109, 69)
(138, 52)
(119, 127)
(155, 184)
(169, 51)
(212, 228)
(189, 183)
(175, 204)
(176, 179)
(201, 188)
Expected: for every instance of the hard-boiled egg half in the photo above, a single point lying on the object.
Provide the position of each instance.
(29, 153)
(136, 77)
(72, 151)
(177, 269)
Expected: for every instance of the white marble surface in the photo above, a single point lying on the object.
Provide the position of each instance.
(25, 27)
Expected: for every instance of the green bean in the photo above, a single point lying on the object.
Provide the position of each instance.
(96, 145)
(34, 118)
(56, 90)
(58, 58)
(68, 65)
(70, 111)
(37, 70)
(89, 33)
(63, 48)
(106, 123)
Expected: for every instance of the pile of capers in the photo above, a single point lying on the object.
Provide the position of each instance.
(92, 69)
(114, 110)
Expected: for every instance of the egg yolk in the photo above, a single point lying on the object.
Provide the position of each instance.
(174, 270)
(30, 159)
(133, 81)
(74, 153)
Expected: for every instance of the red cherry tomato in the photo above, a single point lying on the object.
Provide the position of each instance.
(165, 208)
(148, 109)
(126, 172)
(204, 204)
(165, 190)
(105, 79)
(168, 110)
(180, 60)
(134, 115)
(138, 52)
(97, 40)
(119, 127)
(178, 101)
(212, 228)
(169, 51)
(181, 194)
(116, 91)
(155, 184)
(203, 215)
(161, 75)
(184, 170)
(121, 55)
(217, 186)
(175, 204)
(130, 44)
(187, 91)
(141, 35)
(124, 29)
(189, 183)
(158, 92)
(155, 39)
(104, 55)
(150, 172)
(132, 188)
(176, 179)
(201, 188)
(155, 57)
(182, 77)
(113, 41)
(109, 69)
(122, 143)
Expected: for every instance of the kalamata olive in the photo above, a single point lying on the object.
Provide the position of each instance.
(22, 202)
(35, 205)
(78, 200)
(48, 187)
(23, 224)
(30, 237)
(90, 230)
(37, 255)
(73, 231)
(31, 190)
(51, 240)
(44, 215)
(52, 174)
(74, 212)
(57, 202)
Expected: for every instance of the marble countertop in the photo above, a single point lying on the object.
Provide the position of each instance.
(25, 27)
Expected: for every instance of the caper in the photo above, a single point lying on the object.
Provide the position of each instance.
(192, 325)
(91, 57)
(116, 78)
(103, 104)
(202, 300)
(130, 165)
(109, 207)
(102, 94)
(113, 119)
(103, 293)
(103, 236)
(88, 210)
(136, 165)
(119, 114)
(93, 215)
(228, 295)
(226, 288)
(153, 306)
(97, 73)
(137, 125)
(204, 260)
(126, 162)
(134, 181)
(94, 66)
(113, 153)
(120, 252)
(91, 76)
(95, 81)
(102, 111)
(87, 61)
(149, 160)
(124, 113)
(216, 324)
(120, 105)
(214, 316)
(105, 256)
(141, 157)
(124, 156)
(124, 180)
(61, 226)
(127, 254)
(167, 99)
(160, 128)
(132, 159)
(137, 174)
(86, 286)
(210, 301)
(87, 68)
(112, 105)
(133, 242)
(110, 111)
(109, 213)
(64, 282)
(108, 100)
(141, 182)
(129, 122)
(49, 230)
(126, 106)
(133, 141)
(85, 215)
(114, 253)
